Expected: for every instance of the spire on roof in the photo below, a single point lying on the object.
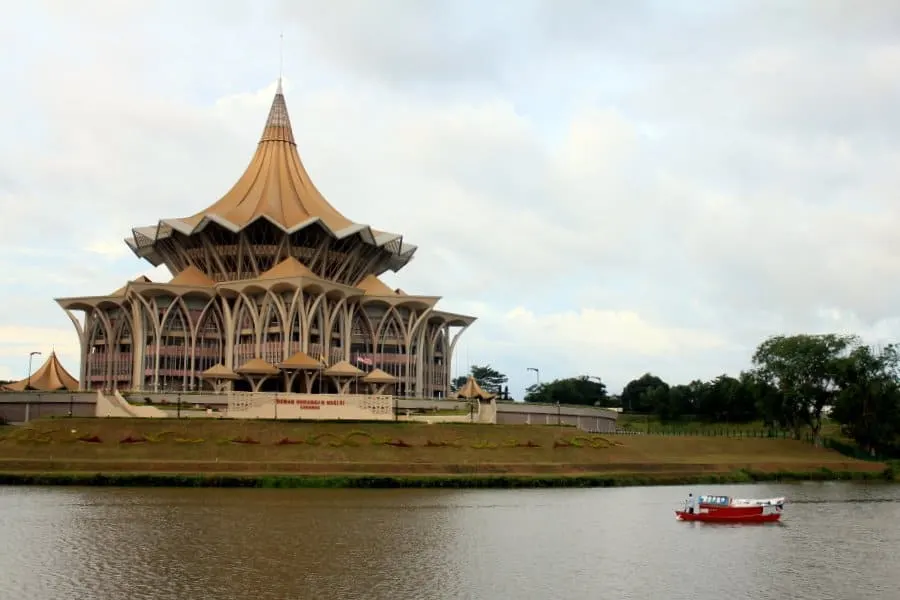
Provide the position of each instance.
(278, 125)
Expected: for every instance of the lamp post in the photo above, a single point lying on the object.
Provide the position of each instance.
(179, 405)
(537, 374)
(30, 356)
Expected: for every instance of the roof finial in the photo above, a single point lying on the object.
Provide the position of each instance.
(280, 63)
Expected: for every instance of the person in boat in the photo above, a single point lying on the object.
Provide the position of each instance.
(689, 503)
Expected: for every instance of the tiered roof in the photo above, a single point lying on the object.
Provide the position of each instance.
(276, 187)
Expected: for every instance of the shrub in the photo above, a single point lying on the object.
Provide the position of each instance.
(287, 441)
(397, 444)
(90, 439)
(484, 445)
(528, 444)
(244, 440)
(188, 440)
(442, 444)
(158, 437)
(132, 439)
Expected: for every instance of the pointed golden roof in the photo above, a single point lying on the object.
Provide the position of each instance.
(219, 371)
(276, 187)
(472, 390)
(275, 184)
(379, 376)
(192, 277)
(289, 267)
(343, 369)
(257, 366)
(50, 377)
(301, 360)
(373, 286)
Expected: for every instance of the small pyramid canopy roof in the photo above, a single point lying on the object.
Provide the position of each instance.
(379, 376)
(193, 277)
(289, 267)
(343, 369)
(50, 377)
(472, 390)
(257, 366)
(121, 290)
(373, 286)
(219, 371)
(301, 360)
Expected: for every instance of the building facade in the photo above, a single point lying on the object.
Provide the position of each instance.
(270, 272)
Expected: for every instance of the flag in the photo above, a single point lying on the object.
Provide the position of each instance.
(365, 361)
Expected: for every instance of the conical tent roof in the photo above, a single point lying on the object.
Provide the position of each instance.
(379, 376)
(472, 390)
(343, 369)
(276, 187)
(275, 183)
(373, 286)
(301, 360)
(50, 377)
(121, 290)
(289, 267)
(193, 277)
(219, 371)
(257, 366)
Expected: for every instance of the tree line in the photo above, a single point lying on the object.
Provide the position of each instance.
(795, 382)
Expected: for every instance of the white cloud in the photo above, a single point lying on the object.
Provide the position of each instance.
(657, 198)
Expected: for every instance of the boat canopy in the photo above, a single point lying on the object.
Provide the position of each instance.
(717, 500)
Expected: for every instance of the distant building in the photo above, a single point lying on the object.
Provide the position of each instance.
(273, 289)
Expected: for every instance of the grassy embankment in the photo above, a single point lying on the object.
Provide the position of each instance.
(291, 454)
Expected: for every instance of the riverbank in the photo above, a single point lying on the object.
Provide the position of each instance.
(417, 481)
(224, 453)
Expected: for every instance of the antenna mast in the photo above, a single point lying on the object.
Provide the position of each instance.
(280, 61)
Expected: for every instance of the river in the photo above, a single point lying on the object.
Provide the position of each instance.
(837, 541)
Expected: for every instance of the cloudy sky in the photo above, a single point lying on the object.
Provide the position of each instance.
(612, 187)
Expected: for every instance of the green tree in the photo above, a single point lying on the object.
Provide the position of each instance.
(634, 397)
(868, 403)
(490, 379)
(804, 368)
(573, 390)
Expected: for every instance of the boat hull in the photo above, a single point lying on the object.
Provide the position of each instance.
(726, 516)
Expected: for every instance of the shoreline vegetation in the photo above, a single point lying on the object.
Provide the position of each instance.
(424, 481)
(283, 454)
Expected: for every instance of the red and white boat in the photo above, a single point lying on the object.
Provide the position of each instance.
(725, 509)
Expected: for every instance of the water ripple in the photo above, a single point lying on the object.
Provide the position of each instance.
(836, 541)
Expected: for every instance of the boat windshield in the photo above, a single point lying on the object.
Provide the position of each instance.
(718, 500)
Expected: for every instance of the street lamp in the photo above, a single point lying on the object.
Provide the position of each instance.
(537, 373)
(30, 356)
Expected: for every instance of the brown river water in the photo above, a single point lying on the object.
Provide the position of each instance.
(837, 541)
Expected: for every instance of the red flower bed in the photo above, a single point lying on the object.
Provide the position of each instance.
(90, 439)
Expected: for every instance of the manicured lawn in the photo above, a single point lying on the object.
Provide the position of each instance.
(223, 446)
